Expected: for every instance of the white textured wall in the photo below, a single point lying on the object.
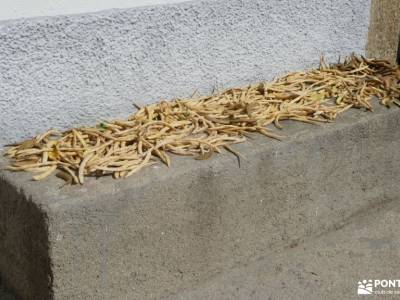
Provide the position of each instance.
(13, 9)
(81, 69)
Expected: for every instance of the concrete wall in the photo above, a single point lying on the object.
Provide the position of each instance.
(74, 70)
(13, 9)
(384, 33)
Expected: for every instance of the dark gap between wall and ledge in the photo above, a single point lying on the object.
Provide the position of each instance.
(398, 52)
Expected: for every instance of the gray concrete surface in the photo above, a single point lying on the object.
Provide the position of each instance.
(77, 70)
(323, 267)
(326, 267)
(165, 230)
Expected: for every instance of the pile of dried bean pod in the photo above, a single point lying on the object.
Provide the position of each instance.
(202, 126)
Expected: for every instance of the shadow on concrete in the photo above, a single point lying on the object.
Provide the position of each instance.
(24, 246)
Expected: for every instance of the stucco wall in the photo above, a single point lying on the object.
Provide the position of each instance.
(14, 9)
(75, 70)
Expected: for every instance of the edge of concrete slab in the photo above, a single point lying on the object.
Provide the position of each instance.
(182, 224)
(51, 193)
(24, 245)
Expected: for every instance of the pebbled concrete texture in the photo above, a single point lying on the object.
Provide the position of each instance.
(166, 230)
(76, 70)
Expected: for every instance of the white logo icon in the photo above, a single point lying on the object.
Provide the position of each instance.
(364, 287)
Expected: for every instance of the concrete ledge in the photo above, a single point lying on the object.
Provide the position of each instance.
(164, 230)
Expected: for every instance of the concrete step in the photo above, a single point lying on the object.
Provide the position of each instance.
(326, 267)
(166, 230)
